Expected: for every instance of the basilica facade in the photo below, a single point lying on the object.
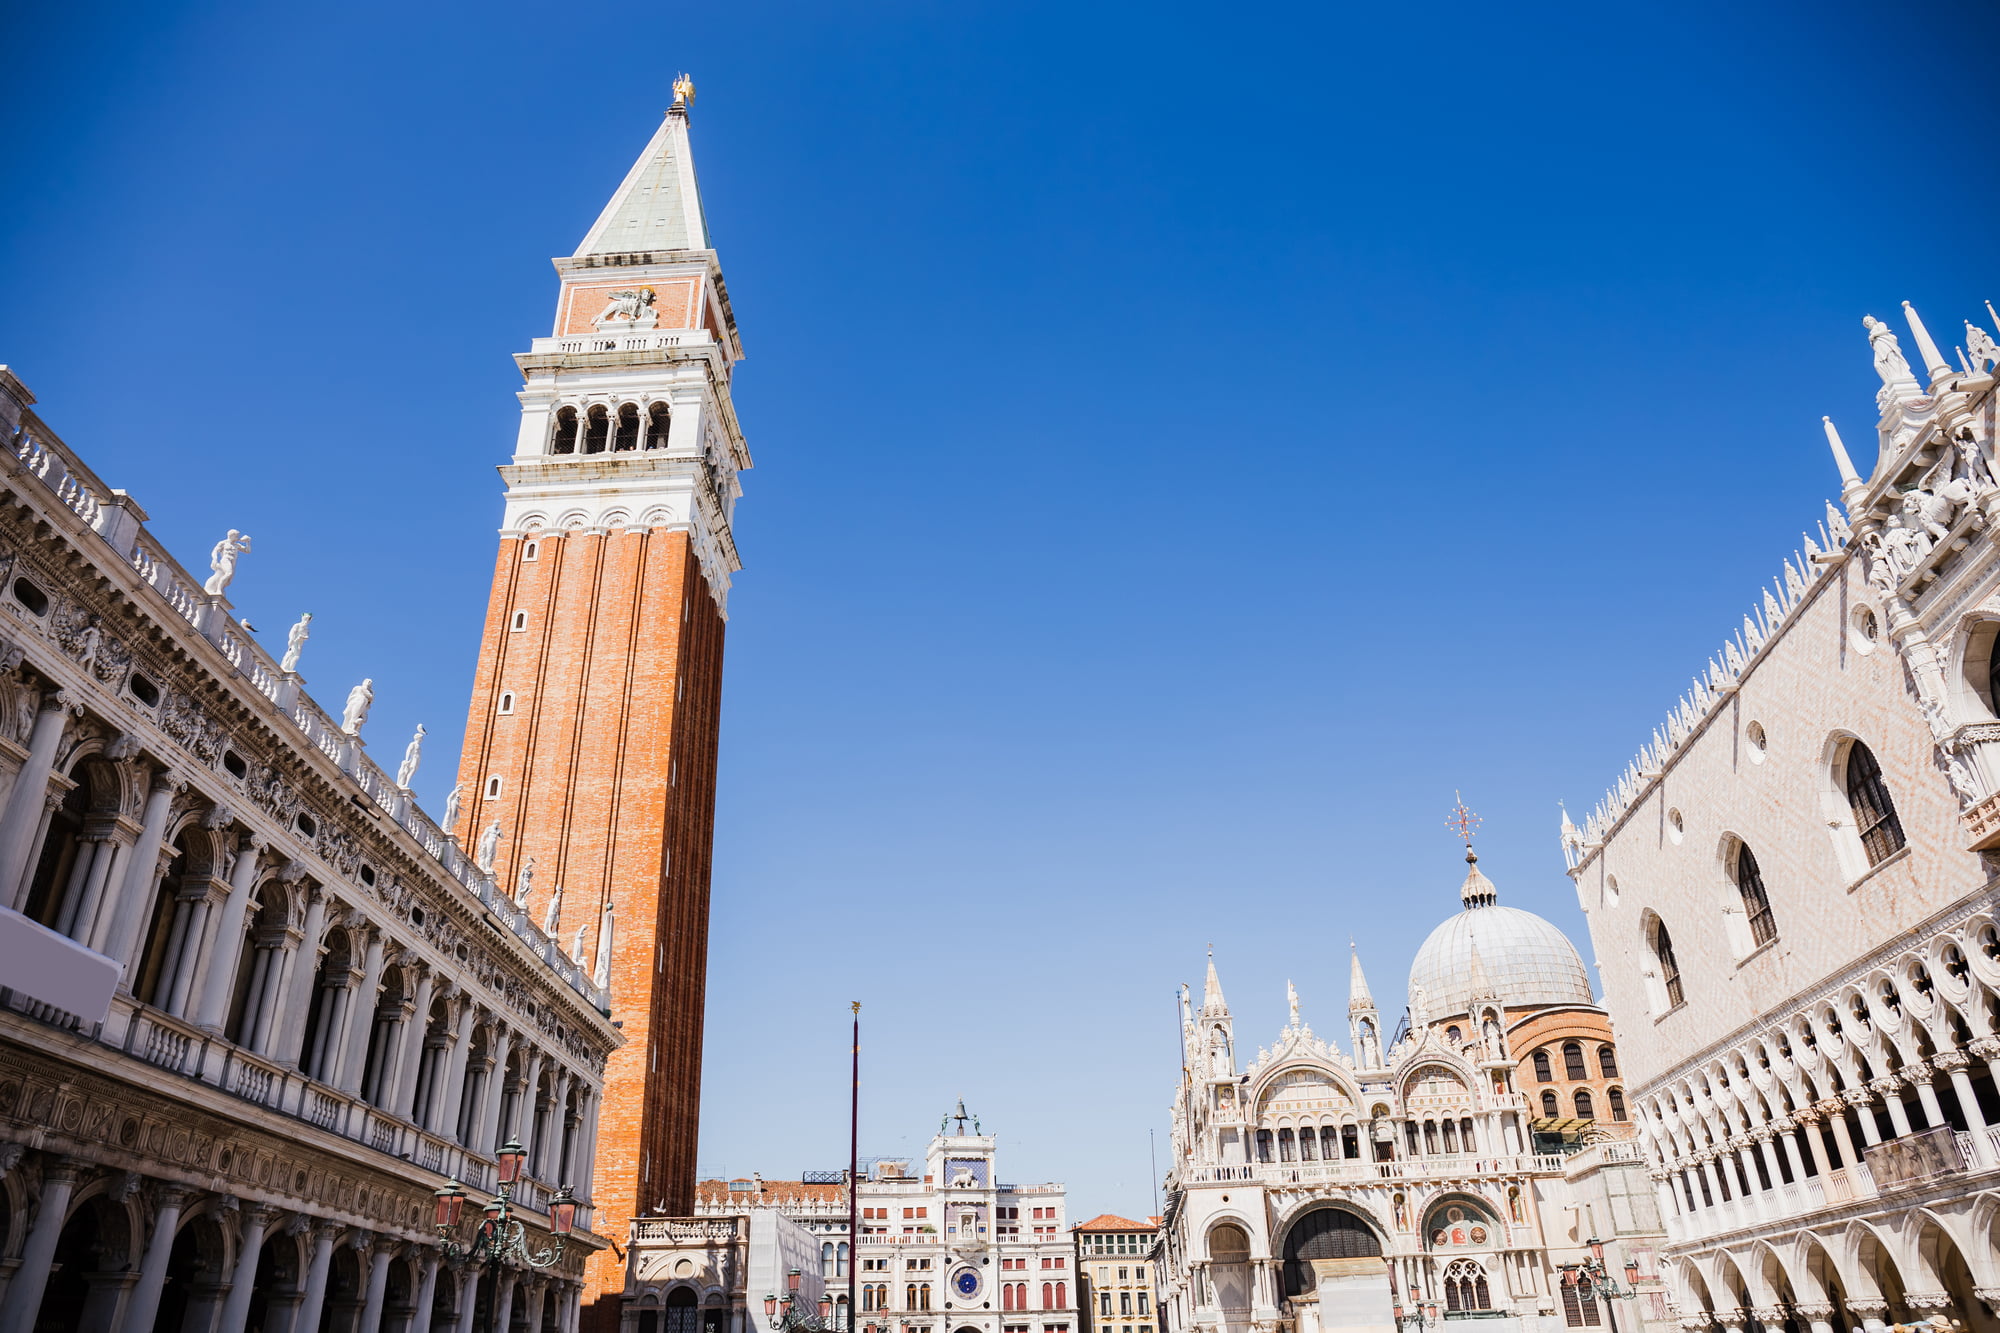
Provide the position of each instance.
(1456, 1169)
(1792, 890)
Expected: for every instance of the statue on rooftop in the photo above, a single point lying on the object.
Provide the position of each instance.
(222, 562)
(552, 918)
(295, 642)
(412, 756)
(1890, 363)
(359, 700)
(524, 883)
(451, 803)
(489, 847)
(1979, 345)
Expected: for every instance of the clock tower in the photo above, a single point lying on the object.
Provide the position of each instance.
(591, 742)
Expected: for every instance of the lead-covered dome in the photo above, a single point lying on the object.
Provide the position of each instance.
(1522, 959)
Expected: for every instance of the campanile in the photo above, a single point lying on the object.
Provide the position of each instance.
(591, 742)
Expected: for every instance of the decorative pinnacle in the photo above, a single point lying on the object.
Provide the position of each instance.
(1464, 823)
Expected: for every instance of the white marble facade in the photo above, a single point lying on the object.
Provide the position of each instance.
(1791, 893)
(323, 1009)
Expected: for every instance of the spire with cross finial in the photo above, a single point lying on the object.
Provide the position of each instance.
(1477, 891)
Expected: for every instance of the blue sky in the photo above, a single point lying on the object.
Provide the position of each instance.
(1191, 444)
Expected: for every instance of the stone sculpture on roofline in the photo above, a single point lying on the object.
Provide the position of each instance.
(222, 562)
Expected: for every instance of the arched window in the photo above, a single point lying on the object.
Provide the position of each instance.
(564, 439)
(826, 1258)
(1607, 1061)
(1062, 1296)
(1874, 813)
(1584, 1110)
(1465, 1286)
(1580, 1304)
(1306, 1137)
(1263, 1145)
(596, 430)
(1573, 1062)
(840, 1260)
(1329, 1143)
(1048, 1295)
(1285, 1151)
(1430, 1137)
(52, 889)
(1006, 1296)
(628, 427)
(1551, 1110)
(1450, 1136)
(682, 1317)
(1750, 883)
(1670, 968)
(657, 423)
(1543, 1073)
(1617, 1099)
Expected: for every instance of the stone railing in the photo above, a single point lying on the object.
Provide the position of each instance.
(118, 521)
(1446, 1166)
(687, 1231)
(620, 340)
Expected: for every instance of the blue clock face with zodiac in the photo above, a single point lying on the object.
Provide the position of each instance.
(967, 1283)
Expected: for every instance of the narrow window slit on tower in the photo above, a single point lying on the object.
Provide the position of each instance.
(520, 622)
(493, 787)
(506, 701)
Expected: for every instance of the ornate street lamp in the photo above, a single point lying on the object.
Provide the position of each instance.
(796, 1316)
(500, 1238)
(1592, 1279)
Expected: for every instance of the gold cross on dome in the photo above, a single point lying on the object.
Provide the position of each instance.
(1462, 821)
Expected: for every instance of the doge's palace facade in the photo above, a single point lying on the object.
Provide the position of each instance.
(1791, 892)
(326, 1009)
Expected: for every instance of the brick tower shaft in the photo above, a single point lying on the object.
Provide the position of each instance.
(590, 748)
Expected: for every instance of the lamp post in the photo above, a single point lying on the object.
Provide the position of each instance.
(796, 1316)
(1592, 1279)
(500, 1238)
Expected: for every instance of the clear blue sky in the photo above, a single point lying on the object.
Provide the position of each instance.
(1191, 442)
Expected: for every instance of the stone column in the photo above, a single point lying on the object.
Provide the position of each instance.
(1815, 1144)
(1870, 1311)
(402, 1098)
(31, 1279)
(503, 1301)
(1918, 1076)
(1843, 1137)
(1789, 1136)
(219, 979)
(537, 1293)
(243, 1282)
(487, 1134)
(143, 1306)
(1769, 1152)
(1954, 1063)
(190, 935)
(360, 1021)
(378, 1285)
(1863, 1102)
(524, 1106)
(295, 998)
(21, 816)
(551, 1144)
(125, 914)
(468, 1299)
(313, 1303)
(420, 1321)
(1708, 1173)
(78, 918)
(1889, 1087)
(445, 1107)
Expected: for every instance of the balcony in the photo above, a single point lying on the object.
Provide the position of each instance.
(1444, 1166)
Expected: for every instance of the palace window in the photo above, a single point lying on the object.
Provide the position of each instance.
(1465, 1286)
(1756, 903)
(1580, 1305)
(1617, 1100)
(1607, 1062)
(1874, 813)
(1670, 968)
(1584, 1110)
(1573, 1062)
(1551, 1109)
(1543, 1073)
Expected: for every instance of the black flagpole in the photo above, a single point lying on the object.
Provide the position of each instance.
(854, 1175)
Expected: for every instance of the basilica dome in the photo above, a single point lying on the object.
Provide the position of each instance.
(1522, 959)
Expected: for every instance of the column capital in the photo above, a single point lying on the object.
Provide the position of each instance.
(61, 1168)
(1886, 1085)
(1818, 1311)
(1770, 1316)
(63, 701)
(168, 781)
(1927, 1300)
(1950, 1061)
(1857, 1096)
(1868, 1309)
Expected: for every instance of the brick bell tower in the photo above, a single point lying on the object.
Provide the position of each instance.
(591, 741)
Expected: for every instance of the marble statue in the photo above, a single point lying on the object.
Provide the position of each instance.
(413, 755)
(1882, 575)
(601, 974)
(1906, 543)
(1890, 363)
(1420, 1012)
(1934, 511)
(628, 303)
(524, 883)
(1978, 473)
(295, 642)
(576, 946)
(359, 700)
(552, 918)
(489, 847)
(1979, 345)
(222, 562)
(88, 644)
(1292, 998)
(451, 804)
